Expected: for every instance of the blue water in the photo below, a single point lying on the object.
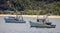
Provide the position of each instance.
(25, 27)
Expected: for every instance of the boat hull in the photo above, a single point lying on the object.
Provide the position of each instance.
(33, 24)
(13, 20)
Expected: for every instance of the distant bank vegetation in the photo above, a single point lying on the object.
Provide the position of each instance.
(30, 7)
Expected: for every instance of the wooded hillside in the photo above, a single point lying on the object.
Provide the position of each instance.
(32, 6)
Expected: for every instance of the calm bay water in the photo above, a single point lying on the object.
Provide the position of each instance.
(25, 27)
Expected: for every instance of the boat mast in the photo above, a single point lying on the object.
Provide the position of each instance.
(21, 15)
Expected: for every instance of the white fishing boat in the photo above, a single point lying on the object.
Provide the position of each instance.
(17, 19)
(42, 23)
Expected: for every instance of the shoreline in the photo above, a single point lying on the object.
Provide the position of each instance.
(33, 16)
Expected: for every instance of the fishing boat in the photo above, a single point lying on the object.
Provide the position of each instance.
(42, 23)
(17, 19)
(13, 20)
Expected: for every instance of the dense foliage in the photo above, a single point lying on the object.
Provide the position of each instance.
(32, 7)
